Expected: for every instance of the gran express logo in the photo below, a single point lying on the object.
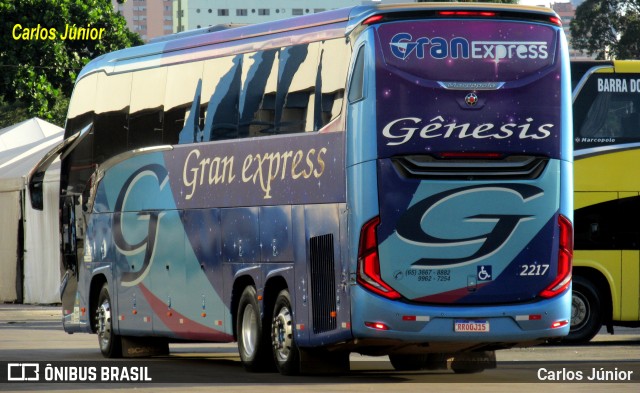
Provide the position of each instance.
(403, 46)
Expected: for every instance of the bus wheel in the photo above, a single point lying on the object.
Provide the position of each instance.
(110, 343)
(586, 312)
(285, 350)
(253, 343)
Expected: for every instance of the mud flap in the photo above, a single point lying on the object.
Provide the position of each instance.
(138, 347)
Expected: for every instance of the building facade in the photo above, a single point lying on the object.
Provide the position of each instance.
(195, 14)
(149, 18)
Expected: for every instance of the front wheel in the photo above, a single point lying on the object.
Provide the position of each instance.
(110, 343)
(285, 350)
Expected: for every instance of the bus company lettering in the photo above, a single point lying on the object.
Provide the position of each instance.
(403, 45)
(399, 131)
(614, 85)
(261, 169)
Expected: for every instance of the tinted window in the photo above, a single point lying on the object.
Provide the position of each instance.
(257, 98)
(182, 103)
(612, 225)
(606, 111)
(79, 162)
(147, 107)
(112, 116)
(220, 97)
(334, 63)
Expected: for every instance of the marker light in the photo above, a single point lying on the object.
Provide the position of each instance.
(559, 324)
(376, 325)
(368, 274)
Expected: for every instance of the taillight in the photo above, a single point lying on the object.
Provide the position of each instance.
(368, 274)
(565, 258)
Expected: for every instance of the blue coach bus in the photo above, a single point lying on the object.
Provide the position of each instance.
(387, 180)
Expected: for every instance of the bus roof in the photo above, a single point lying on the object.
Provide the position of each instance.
(340, 22)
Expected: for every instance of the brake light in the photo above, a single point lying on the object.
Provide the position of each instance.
(565, 259)
(368, 274)
(466, 13)
(373, 19)
(555, 20)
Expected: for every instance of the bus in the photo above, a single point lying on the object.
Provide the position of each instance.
(606, 107)
(386, 180)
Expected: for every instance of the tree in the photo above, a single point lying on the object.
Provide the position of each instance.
(607, 29)
(38, 69)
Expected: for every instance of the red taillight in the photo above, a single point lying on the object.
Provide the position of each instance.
(368, 274)
(565, 258)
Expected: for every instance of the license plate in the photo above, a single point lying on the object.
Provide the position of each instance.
(468, 326)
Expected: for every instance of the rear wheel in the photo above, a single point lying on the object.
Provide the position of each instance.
(586, 311)
(285, 350)
(110, 343)
(253, 342)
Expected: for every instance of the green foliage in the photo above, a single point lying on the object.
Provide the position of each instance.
(608, 29)
(37, 75)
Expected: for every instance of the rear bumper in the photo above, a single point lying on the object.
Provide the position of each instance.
(509, 325)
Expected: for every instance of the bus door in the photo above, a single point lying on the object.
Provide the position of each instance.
(71, 248)
(469, 158)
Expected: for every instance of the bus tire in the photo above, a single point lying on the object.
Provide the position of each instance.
(110, 343)
(586, 311)
(285, 350)
(253, 341)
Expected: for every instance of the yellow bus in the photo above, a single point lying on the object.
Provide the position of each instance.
(606, 266)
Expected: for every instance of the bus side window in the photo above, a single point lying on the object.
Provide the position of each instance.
(183, 81)
(257, 96)
(295, 98)
(112, 116)
(356, 88)
(147, 107)
(79, 162)
(610, 225)
(220, 97)
(335, 56)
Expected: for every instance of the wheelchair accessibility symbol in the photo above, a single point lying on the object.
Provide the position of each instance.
(484, 273)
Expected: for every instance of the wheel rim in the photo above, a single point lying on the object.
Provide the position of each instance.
(579, 311)
(282, 334)
(249, 331)
(103, 319)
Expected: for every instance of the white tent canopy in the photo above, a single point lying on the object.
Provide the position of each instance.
(29, 239)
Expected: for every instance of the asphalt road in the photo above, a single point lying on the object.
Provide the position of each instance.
(33, 334)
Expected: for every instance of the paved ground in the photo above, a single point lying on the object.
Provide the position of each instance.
(34, 334)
